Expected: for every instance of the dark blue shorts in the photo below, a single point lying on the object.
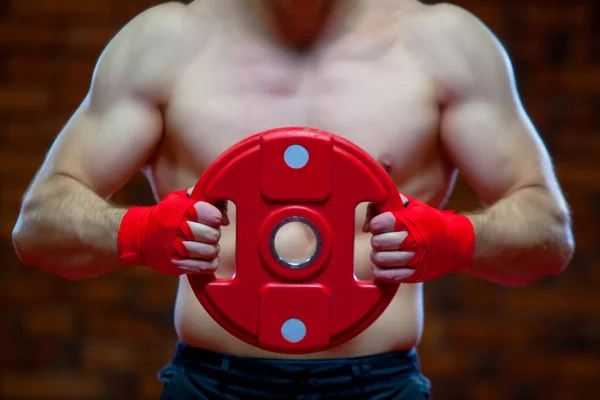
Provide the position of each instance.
(201, 374)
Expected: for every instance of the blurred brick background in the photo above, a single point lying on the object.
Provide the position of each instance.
(106, 338)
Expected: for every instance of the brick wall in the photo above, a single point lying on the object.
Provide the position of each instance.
(106, 338)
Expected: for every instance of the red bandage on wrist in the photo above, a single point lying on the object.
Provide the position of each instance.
(154, 236)
(442, 241)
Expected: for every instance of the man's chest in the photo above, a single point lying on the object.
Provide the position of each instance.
(374, 95)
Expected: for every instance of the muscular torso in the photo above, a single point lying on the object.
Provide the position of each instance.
(369, 86)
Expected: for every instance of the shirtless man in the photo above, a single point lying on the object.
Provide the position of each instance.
(426, 90)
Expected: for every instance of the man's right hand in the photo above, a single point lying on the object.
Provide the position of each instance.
(177, 236)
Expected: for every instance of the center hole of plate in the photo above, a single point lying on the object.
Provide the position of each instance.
(295, 242)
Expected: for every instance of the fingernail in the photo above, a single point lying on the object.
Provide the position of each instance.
(216, 219)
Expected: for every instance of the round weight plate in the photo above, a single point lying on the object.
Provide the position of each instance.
(276, 177)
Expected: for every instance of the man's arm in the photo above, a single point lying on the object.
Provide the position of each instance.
(66, 226)
(524, 231)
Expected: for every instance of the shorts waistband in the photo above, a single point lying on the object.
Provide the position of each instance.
(196, 359)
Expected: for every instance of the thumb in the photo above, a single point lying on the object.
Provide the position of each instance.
(371, 213)
(223, 206)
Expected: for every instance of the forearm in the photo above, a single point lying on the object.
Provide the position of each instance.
(521, 238)
(67, 229)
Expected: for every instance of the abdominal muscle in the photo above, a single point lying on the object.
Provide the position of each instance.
(399, 327)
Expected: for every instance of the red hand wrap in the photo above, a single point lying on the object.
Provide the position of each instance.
(442, 241)
(154, 236)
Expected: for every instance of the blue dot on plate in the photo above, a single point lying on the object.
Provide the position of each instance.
(293, 330)
(296, 156)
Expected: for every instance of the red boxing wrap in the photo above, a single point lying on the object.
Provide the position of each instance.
(154, 236)
(442, 241)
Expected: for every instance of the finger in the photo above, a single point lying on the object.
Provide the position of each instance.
(201, 250)
(393, 275)
(208, 214)
(391, 259)
(383, 223)
(204, 233)
(388, 241)
(197, 266)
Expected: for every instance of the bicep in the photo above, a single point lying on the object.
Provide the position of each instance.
(104, 150)
(112, 134)
(495, 148)
(486, 132)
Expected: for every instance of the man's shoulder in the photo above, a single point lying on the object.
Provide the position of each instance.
(450, 25)
(171, 23)
(149, 49)
(454, 44)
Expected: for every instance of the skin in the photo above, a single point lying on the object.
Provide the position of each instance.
(426, 90)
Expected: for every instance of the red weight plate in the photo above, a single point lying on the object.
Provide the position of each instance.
(295, 174)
